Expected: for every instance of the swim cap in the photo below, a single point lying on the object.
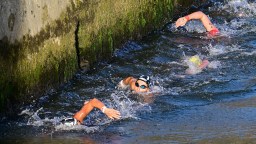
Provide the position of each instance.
(145, 79)
(195, 60)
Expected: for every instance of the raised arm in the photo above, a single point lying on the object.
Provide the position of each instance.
(125, 83)
(95, 103)
(196, 15)
(129, 80)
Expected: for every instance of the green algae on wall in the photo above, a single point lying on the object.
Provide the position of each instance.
(30, 67)
(55, 62)
(106, 24)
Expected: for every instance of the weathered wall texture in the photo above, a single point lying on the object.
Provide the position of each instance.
(37, 48)
(19, 17)
(44, 42)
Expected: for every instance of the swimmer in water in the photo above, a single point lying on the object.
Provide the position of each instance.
(210, 28)
(196, 65)
(87, 108)
(140, 85)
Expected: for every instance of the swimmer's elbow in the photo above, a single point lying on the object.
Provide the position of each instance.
(200, 14)
(94, 101)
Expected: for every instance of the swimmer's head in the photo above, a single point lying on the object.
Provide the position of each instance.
(145, 79)
(195, 60)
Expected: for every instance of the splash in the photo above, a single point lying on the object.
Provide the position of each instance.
(156, 84)
(222, 49)
(192, 67)
(26, 112)
(249, 53)
(235, 17)
(241, 8)
(126, 106)
(191, 26)
(35, 120)
(195, 26)
(214, 64)
(236, 27)
(87, 129)
(94, 121)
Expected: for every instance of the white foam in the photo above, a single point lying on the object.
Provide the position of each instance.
(240, 11)
(62, 127)
(127, 107)
(222, 49)
(241, 8)
(214, 64)
(192, 68)
(249, 53)
(26, 112)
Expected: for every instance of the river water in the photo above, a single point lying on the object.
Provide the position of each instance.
(216, 105)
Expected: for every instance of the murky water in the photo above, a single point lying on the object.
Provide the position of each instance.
(214, 106)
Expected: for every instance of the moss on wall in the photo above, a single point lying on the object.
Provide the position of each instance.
(106, 24)
(35, 64)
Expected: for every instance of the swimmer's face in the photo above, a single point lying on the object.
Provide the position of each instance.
(141, 86)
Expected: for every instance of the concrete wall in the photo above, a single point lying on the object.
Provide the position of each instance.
(19, 17)
(37, 49)
(44, 42)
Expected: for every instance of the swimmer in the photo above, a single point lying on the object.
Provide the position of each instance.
(204, 19)
(87, 108)
(140, 85)
(196, 64)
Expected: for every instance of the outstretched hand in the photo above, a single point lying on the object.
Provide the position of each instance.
(181, 22)
(112, 113)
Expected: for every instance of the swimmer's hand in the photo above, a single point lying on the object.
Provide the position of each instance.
(204, 64)
(112, 113)
(181, 22)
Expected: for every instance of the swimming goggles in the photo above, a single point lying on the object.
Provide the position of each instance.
(140, 86)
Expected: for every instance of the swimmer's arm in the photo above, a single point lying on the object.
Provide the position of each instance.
(125, 83)
(87, 108)
(204, 19)
(196, 15)
(96, 103)
(111, 113)
(128, 80)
